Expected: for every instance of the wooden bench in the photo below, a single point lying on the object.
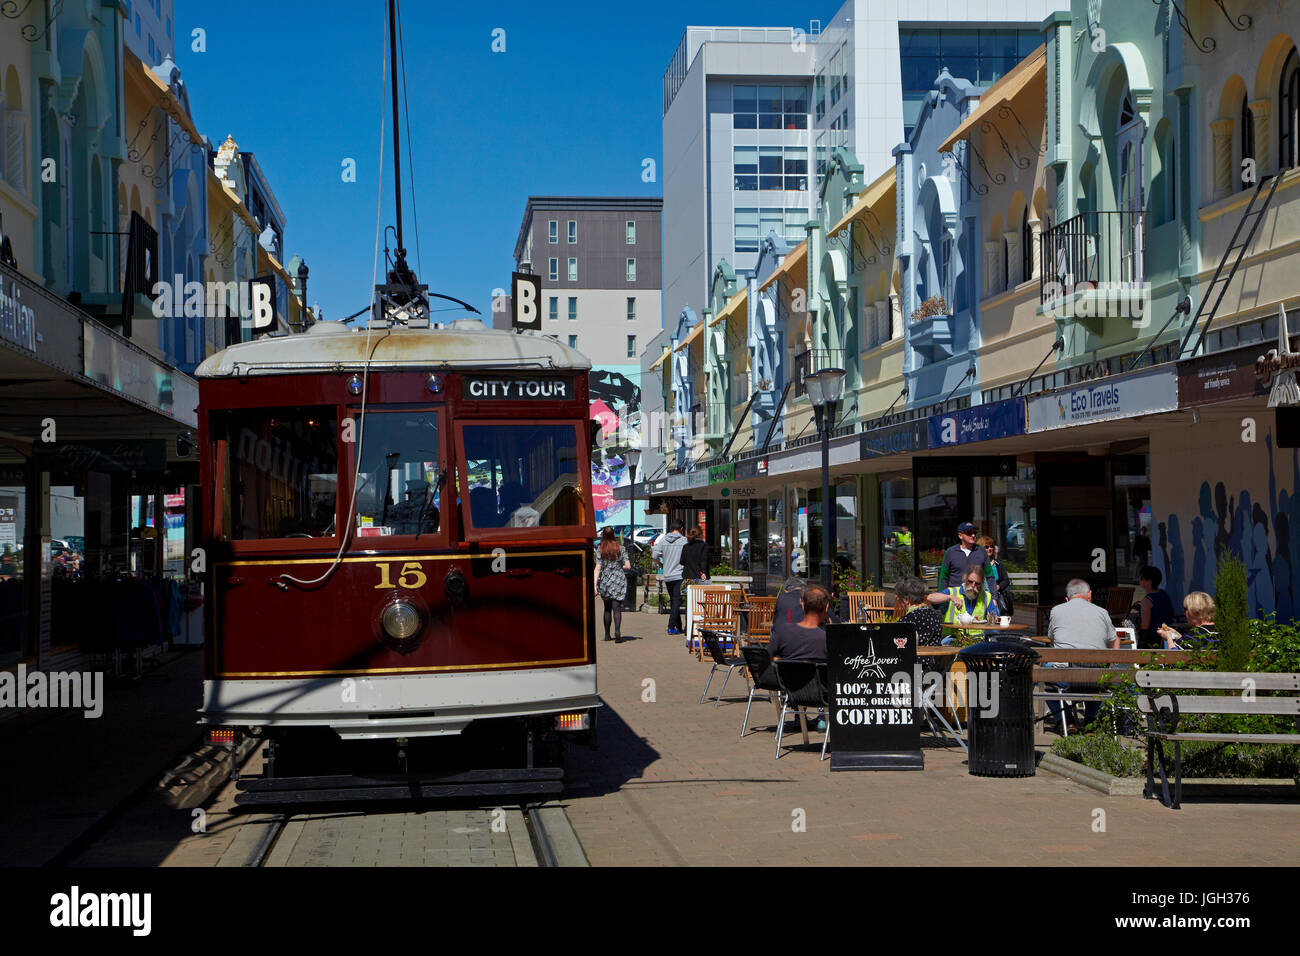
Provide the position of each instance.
(1024, 582)
(1163, 710)
(1097, 664)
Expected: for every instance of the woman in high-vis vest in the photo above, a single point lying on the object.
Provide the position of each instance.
(968, 603)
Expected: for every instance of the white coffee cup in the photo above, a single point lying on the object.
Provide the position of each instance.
(1004, 621)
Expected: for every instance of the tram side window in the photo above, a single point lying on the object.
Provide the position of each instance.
(281, 472)
(398, 489)
(523, 476)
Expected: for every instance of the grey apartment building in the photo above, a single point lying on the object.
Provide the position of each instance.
(601, 268)
(752, 114)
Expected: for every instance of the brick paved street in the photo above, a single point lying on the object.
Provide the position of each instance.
(672, 783)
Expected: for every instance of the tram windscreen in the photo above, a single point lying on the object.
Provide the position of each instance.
(523, 476)
(281, 472)
(398, 491)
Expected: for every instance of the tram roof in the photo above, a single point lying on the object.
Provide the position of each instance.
(332, 346)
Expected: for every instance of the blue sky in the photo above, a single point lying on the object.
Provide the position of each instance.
(299, 85)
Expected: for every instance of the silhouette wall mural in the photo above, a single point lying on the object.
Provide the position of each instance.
(1207, 505)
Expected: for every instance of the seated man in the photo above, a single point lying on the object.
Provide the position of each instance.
(968, 604)
(806, 640)
(789, 608)
(1079, 623)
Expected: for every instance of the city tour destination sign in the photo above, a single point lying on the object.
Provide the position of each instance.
(480, 387)
(1105, 400)
(874, 724)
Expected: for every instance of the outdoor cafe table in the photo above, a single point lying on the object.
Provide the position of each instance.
(983, 626)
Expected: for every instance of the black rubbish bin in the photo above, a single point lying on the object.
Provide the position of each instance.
(1000, 708)
(629, 599)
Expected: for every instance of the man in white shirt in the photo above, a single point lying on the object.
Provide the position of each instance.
(1078, 623)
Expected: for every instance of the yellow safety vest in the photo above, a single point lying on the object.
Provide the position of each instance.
(957, 607)
(904, 538)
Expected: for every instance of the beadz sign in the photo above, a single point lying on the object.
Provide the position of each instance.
(516, 389)
(873, 717)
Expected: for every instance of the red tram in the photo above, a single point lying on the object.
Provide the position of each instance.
(398, 530)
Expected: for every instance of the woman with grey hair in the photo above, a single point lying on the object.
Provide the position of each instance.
(914, 607)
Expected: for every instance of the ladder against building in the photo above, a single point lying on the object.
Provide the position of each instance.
(1242, 237)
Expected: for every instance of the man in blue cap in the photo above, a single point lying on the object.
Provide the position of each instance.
(961, 556)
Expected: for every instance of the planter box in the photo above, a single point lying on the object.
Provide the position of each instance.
(1103, 782)
(933, 337)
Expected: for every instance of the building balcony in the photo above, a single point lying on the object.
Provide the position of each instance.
(813, 360)
(933, 337)
(1092, 264)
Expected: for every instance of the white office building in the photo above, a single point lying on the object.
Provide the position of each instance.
(751, 115)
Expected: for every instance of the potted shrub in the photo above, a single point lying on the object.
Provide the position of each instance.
(935, 305)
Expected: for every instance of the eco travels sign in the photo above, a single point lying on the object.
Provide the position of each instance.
(1145, 393)
(873, 719)
(722, 473)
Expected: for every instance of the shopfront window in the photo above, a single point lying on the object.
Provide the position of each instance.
(937, 517)
(281, 476)
(13, 603)
(1132, 509)
(148, 535)
(800, 531)
(896, 528)
(776, 563)
(175, 563)
(846, 529)
(523, 476)
(752, 540)
(724, 554)
(1013, 525)
(398, 489)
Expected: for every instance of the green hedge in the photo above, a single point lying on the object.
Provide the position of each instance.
(1201, 758)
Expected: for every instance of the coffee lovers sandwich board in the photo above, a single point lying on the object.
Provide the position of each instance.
(874, 721)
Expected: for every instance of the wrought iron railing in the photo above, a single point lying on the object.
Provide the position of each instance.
(813, 360)
(1091, 249)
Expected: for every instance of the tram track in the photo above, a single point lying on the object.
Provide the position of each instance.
(550, 841)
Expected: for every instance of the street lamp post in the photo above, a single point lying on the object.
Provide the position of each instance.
(633, 458)
(824, 389)
(302, 289)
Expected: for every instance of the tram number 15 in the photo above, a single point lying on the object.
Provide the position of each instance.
(411, 576)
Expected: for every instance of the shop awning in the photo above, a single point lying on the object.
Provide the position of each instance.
(736, 304)
(660, 360)
(1000, 93)
(796, 256)
(167, 99)
(870, 198)
(695, 334)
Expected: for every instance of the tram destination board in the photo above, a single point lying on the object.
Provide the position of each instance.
(874, 723)
(512, 389)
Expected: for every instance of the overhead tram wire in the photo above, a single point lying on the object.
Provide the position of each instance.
(345, 534)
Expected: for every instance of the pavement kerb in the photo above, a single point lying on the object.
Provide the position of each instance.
(1096, 779)
(564, 841)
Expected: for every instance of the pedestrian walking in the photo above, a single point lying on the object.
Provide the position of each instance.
(611, 582)
(695, 556)
(997, 578)
(961, 556)
(668, 552)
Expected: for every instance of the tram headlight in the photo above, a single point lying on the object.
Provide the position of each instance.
(400, 621)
